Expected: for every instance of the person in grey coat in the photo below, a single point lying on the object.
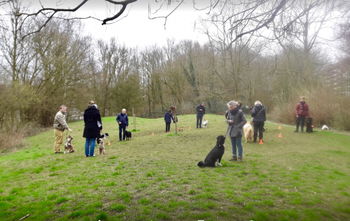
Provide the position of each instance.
(236, 120)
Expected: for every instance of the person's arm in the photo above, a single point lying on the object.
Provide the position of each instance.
(253, 112)
(99, 118)
(297, 110)
(264, 113)
(243, 121)
(118, 118)
(127, 120)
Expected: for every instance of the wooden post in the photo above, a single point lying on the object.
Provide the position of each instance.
(134, 118)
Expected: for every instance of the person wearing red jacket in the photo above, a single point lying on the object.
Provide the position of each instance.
(301, 112)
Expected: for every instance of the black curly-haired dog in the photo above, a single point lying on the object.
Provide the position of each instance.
(215, 154)
(128, 135)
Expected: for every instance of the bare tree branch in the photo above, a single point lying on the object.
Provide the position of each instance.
(124, 5)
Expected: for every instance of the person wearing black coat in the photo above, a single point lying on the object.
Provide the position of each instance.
(123, 122)
(259, 117)
(92, 128)
(168, 117)
(200, 109)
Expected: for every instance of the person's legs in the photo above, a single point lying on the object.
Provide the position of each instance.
(240, 147)
(197, 123)
(200, 121)
(92, 147)
(302, 122)
(58, 140)
(297, 123)
(261, 130)
(87, 144)
(120, 132)
(124, 129)
(167, 127)
(256, 128)
(234, 150)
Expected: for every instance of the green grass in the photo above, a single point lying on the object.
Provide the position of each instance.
(154, 177)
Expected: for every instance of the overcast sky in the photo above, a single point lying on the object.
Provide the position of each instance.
(134, 29)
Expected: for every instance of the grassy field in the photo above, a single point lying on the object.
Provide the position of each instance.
(154, 177)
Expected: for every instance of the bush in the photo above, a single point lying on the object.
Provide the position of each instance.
(325, 107)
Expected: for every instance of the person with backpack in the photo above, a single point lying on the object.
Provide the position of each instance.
(301, 113)
(259, 117)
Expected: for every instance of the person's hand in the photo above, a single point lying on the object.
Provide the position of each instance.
(119, 122)
(70, 130)
(230, 121)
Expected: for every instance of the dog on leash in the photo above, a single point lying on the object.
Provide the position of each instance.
(205, 123)
(214, 156)
(101, 146)
(128, 135)
(101, 141)
(248, 132)
(68, 146)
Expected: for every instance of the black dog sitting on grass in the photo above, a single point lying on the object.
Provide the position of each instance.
(215, 154)
(128, 135)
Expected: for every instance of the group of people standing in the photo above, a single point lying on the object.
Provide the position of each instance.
(234, 117)
(92, 127)
(236, 120)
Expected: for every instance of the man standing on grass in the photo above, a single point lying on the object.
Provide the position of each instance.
(301, 112)
(200, 109)
(123, 122)
(236, 120)
(60, 125)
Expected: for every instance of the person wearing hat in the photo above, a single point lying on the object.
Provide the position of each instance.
(92, 128)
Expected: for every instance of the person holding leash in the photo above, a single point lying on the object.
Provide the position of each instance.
(92, 128)
(168, 117)
(123, 122)
(200, 109)
(235, 120)
(60, 125)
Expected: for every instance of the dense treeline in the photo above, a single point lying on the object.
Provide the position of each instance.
(59, 65)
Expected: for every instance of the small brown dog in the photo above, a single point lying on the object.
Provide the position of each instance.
(68, 147)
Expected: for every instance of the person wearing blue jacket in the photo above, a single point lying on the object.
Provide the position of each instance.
(168, 117)
(123, 122)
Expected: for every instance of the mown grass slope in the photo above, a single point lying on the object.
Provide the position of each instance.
(154, 177)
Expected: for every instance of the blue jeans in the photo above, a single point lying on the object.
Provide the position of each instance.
(90, 147)
(237, 141)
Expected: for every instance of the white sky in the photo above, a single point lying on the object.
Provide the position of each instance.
(134, 29)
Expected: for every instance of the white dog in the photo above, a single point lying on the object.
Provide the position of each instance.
(324, 127)
(248, 132)
(205, 123)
